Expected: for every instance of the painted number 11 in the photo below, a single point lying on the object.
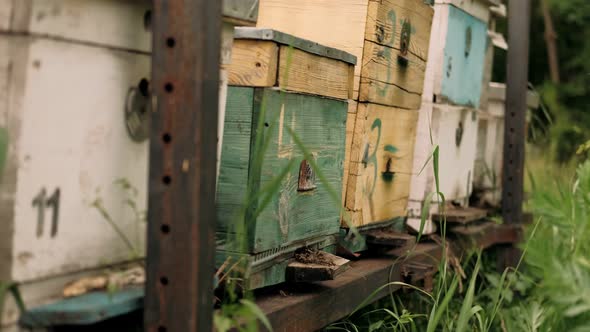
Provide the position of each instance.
(41, 201)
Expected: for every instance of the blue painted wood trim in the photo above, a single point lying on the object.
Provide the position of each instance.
(85, 309)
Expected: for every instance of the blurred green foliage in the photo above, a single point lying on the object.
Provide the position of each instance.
(567, 102)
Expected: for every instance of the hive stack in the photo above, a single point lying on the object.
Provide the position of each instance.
(487, 182)
(74, 123)
(452, 95)
(390, 38)
(283, 150)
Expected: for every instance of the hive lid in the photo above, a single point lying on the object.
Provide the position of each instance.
(290, 40)
(242, 11)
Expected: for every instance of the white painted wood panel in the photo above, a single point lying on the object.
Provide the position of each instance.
(433, 75)
(455, 132)
(73, 137)
(5, 14)
(114, 23)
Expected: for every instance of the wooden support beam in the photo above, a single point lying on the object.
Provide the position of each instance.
(519, 14)
(328, 269)
(295, 306)
(183, 144)
(314, 306)
(389, 238)
(460, 215)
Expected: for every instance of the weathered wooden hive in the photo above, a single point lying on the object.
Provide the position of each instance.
(286, 113)
(452, 94)
(74, 106)
(390, 38)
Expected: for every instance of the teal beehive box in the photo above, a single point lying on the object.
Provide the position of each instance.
(282, 154)
(458, 46)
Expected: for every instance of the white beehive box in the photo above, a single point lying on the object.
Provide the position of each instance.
(74, 92)
(454, 76)
(490, 145)
(69, 77)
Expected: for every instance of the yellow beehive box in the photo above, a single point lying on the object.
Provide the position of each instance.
(389, 38)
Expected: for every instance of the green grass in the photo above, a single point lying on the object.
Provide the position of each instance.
(549, 290)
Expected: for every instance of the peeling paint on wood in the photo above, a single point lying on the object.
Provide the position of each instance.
(320, 124)
(4, 141)
(381, 160)
(62, 231)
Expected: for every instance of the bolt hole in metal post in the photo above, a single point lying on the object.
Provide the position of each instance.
(164, 281)
(169, 87)
(166, 138)
(167, 179)
(165, 229)
(170, 42)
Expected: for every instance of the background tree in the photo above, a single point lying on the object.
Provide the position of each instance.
(560, 71)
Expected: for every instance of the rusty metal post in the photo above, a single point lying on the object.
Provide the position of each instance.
(519, 13)
(181, 212)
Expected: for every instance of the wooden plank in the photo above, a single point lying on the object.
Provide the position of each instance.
(455, 132)
(128, 27)
(85, 309)
(389, 238)
(385, 20)
(328, 268)
(335, 23)
(459, 215)
(486, 235)
(380, 64)
(384, 79)
(235, 157)
(322, 303)
(381, 162)
(422, 164)
(350, 124)
(387, 94)
(434, 70)
(305, 72)
(352, 25)
(414, 272)
(254, 63)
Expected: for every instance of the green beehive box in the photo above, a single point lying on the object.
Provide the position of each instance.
(270, 199)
